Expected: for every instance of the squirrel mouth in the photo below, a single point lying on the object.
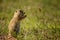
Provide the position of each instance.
(23, 15)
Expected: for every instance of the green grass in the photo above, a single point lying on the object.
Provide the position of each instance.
(39, 24)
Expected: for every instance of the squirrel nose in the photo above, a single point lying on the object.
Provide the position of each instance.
(21, 11)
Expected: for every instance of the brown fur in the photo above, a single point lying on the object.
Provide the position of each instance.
(15, 21)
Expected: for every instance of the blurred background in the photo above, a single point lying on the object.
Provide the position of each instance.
(42, 21)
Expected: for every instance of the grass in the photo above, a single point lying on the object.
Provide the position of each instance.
(42, 21)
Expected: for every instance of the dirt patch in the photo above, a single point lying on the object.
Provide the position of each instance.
(3, 37)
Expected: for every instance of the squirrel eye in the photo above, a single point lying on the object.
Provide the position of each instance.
(16, 11)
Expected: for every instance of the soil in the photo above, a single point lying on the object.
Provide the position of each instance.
(3, 37)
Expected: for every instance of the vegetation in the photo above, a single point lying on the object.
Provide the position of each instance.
(42, 21)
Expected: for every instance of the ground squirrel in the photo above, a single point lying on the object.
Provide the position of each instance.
(15, 21)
